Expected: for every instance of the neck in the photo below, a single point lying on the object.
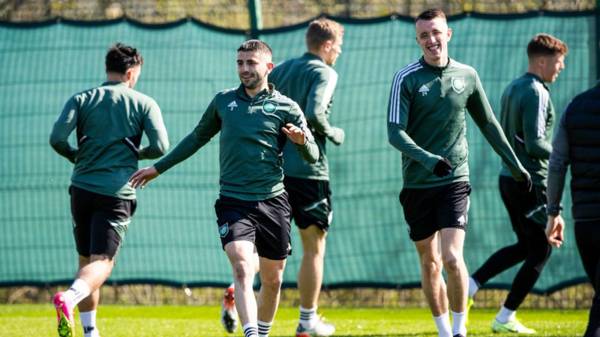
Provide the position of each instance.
(534, 70)
(116, 77)
(441, 62)
(255, 91)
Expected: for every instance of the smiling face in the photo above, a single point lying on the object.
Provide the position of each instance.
(253, 68)
(433, 36)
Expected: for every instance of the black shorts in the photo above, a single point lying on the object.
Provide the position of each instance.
(265, 223)
(311, 202)
(526, 209)
(427, 210)
(99, 221)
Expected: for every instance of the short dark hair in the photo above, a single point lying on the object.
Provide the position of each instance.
(120, 58)
(546, 45)
(255, 45)
(321, 30)
(431, 14)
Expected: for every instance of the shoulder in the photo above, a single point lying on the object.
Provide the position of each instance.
(464, 68)
(406, 72)
(226, 94)
(143, 99)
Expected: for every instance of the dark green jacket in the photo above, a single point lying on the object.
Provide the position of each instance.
(109, 120)
(251, 141)
(427, 122)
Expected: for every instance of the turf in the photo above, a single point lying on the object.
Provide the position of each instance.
(193, 321)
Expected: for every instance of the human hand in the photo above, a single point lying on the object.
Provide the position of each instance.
(555, 230)
(143, 176)
(294, 133)
(442, 168)
(338, 135)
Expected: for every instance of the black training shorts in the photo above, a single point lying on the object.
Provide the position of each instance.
(427, 210)
(266, 223)
(311, 202)
(99, 221)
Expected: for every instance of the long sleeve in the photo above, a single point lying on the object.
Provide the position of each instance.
(318, 101)
(557, 168)
(480, 110)
(309, 150)
(534, 123)
(66, 123)
(209, 125)
(156, 132)
(398, 111)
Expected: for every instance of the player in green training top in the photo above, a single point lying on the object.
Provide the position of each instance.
(253, 212)
(527, 118)
(109, 121)
(427, 123)
(310, 80)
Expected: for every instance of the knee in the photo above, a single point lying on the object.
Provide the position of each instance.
(540, 257)
(431, 265)
(273, 283)
(453, 263)
(243, 270)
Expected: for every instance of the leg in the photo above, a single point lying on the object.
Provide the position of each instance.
(240, 254)
(452, 240)
(310, 275)
(431, 274)
(271, 277)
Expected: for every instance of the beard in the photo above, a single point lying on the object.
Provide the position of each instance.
(254, 81)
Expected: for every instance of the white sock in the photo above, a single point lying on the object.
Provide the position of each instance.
(250, 329)
(473, 287)
(88, 322)
(443, 325)
(459, 323)
(308, 317)
(77, 292)
(264, 328)
(505, 315)
(232, 286)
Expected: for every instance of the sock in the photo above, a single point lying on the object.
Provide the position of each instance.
(78, 291)
(308, 317)
(232, 286)
(459, 323)
(443, 325)
(250, 330)
(473, 287)
(88, 322)
(264, 328)
(505, 315)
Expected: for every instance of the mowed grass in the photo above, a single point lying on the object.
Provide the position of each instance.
(196, 321)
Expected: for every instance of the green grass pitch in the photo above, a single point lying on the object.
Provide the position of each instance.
(195, 321)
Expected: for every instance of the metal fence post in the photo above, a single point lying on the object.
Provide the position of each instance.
(255, 11)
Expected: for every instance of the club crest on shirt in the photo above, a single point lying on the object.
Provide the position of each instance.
(458, 84)
(269, 107)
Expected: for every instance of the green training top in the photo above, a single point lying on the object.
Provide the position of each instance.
(310, 83)
(427, 122)
(251, 141)
(527, 118)
(109, 120)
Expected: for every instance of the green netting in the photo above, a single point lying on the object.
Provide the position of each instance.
(173, 238)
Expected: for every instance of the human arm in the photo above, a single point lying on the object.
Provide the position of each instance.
(208, 126)
(398, 112)
(154, 127)
(318, 101)
(557, 168)
(534, 109)
(297, 131)
(480, 110)
(64, 125)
